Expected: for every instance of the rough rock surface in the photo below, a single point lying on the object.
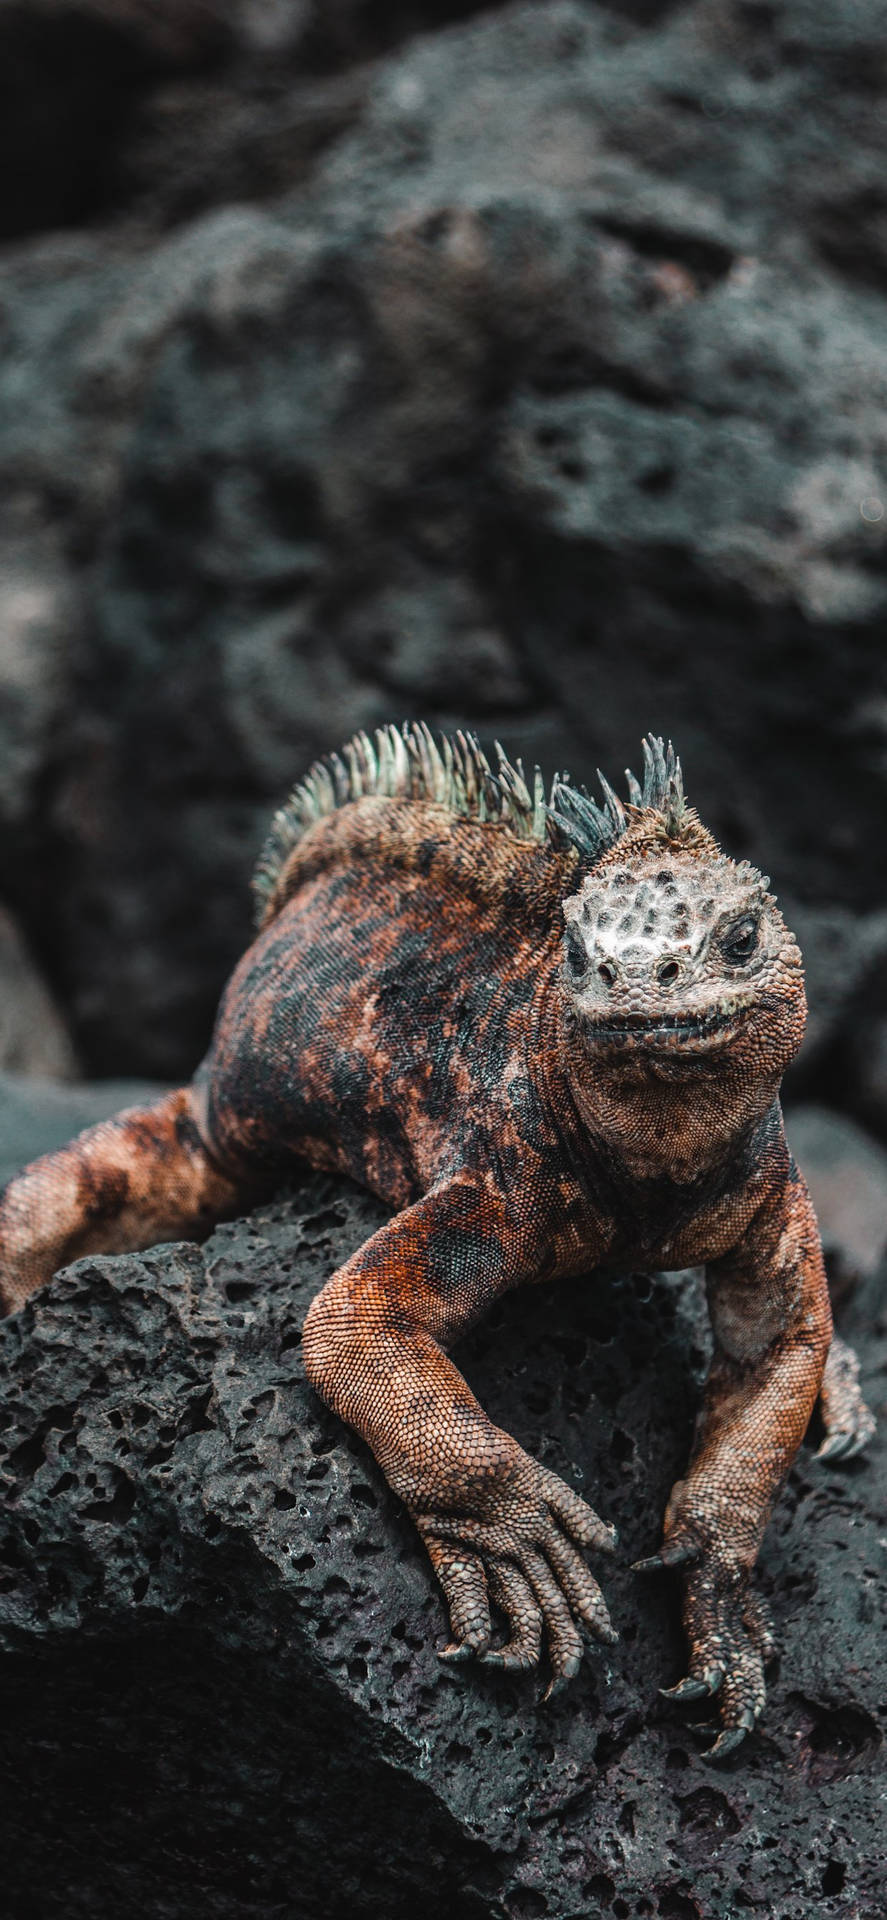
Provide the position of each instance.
(220, 1684)
(529, 373)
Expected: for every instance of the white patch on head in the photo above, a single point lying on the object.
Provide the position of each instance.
(654, 920)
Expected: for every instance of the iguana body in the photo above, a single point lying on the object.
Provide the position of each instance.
(532, 1102)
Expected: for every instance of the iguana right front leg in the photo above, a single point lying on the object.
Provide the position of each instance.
(498, 1527)
(144, 1176)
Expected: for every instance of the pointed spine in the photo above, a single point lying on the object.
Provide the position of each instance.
(407, 763)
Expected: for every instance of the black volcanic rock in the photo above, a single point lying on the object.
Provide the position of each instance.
(220, 1677)
(529, 376)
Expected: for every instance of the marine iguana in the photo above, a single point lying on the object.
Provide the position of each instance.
(550, 1033)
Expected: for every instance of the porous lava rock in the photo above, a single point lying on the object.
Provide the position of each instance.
(221, 1689)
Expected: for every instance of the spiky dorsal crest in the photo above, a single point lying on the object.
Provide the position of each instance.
(408, 764)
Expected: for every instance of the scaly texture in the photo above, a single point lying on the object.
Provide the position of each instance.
(550, 1035)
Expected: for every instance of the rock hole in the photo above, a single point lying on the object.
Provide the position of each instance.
(327, 1218)
(657, 481)
(284, 1500)
(834, 1876)
(118, 1507)
(839, 1740)
(526, 1904)
(31, 1453)
(707, 1812)
(599, 1887)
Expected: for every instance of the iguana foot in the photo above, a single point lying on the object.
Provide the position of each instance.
(728, 1625)
(849, 1423)
(731, 1640)
(522, 1557)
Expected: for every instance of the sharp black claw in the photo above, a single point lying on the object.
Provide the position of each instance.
(559, 1680)
(676, 1556)
(505, 1661)
(728, 1741)
(607, 1635)
(838, 1446)
(688, 1689)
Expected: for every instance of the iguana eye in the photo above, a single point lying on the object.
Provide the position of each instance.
(577, 958)
(738, 943)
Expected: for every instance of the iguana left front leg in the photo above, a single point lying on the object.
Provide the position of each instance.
(772, 1326)
(849, 1424)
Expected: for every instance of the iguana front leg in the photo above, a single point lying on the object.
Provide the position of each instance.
(145, 1175)
(772, 1325)
(849, 1424)
(498, 1527)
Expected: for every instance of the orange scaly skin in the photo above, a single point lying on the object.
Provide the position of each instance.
(533, 1100)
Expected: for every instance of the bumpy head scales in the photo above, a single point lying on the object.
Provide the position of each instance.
(407, 763)
(677, 954)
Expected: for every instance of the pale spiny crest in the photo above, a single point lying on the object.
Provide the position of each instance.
(406, 763)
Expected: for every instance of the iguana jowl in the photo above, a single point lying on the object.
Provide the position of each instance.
(551, 1035)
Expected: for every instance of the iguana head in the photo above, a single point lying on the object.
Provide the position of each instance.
(674, 954)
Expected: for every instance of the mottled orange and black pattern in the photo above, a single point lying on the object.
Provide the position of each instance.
(547, 1063)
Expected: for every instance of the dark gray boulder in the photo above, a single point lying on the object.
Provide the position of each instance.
(219, 1634)
(537, 383)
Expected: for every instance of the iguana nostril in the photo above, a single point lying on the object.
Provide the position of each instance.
(607, 973)
(668, 972)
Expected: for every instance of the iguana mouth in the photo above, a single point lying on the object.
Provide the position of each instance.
(669, 1032)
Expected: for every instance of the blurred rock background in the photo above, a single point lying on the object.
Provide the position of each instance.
(521, 367)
